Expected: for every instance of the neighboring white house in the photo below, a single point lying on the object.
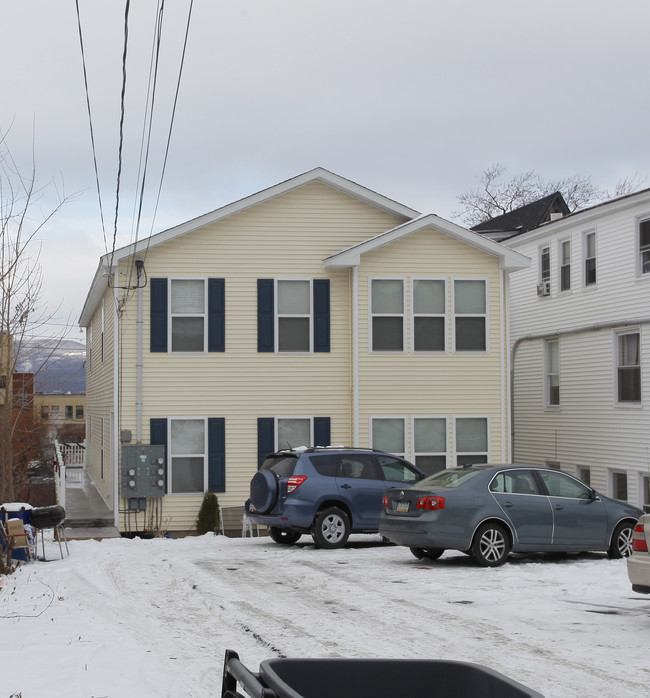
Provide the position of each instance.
(580, 331)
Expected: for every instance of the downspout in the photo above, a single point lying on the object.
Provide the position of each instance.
(560, 333)
(504, 372)
(139, 264)
(355, 356)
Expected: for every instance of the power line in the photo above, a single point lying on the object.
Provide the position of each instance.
(90, 121)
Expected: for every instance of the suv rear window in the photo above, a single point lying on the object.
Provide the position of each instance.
(325, 464)
(282, 466)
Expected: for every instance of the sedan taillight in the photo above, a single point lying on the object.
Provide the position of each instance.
(639, 543)
(431, 503)
(294, 482)
(385, 501)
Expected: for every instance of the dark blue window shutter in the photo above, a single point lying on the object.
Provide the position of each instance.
(158, 437)
(265, 318)
(265, 439)
(322, 431)
(216, 315)
(158, 314)
(216, 454)
(321, 314)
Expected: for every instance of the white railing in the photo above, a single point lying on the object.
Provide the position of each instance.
(70, 465)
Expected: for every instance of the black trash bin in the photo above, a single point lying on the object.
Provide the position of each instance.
(368, 678)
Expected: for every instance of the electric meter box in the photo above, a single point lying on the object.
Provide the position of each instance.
(143, 471)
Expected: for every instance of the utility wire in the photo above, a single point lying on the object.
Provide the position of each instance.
(90, 121)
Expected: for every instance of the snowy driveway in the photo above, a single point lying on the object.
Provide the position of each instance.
(152, 618)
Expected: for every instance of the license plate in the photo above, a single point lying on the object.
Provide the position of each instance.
(403, 506)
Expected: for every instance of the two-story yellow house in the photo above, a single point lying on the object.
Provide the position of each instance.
(315, 312)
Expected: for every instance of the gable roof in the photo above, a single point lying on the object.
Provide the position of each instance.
(352, 255)
(318, 174)
(524, 218)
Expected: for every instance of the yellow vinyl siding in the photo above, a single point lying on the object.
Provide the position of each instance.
(444, 384)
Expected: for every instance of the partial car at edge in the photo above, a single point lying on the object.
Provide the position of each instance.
(488, 511)
(638, 563)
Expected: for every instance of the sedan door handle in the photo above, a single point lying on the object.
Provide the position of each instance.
(507, 504)
(558, 507)
(346, 487)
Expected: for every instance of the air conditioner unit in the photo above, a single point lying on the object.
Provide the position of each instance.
(544, 289)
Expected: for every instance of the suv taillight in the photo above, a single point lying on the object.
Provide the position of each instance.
(294, 482)
(639, 543)
(431, 503)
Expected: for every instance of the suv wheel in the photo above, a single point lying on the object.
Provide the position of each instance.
(284, 536)
(331, 528)
(264, 490)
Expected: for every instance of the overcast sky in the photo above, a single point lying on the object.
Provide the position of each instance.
(410, 98)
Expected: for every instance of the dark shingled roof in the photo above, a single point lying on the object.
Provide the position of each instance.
(525, 218)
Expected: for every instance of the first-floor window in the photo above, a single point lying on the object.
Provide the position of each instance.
(430, 443)
(470, 315)
(629, 367)
(645, 490)
(471, 440)
(584, 474)
(552, 373)
(187, 449)
(292, 432)
(619, 486)
(389, 434)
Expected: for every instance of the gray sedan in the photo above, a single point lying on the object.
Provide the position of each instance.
(487, 511)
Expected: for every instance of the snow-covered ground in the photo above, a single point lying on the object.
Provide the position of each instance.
(152, 618)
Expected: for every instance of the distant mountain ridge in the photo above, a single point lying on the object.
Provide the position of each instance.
(59, 365)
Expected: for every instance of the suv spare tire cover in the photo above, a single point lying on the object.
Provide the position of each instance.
(264, 490)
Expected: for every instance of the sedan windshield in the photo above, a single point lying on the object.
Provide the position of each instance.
(448, 478)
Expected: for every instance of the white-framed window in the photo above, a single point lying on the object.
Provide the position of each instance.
(589, 257)
(564, 255)
(645, 490)
(187, 304)
(471, 440)
(428, 308)
(628, 367)
(387, 310)
(470, 315)
(79, 412)
(552, 372)
(584, 473)
(291, 432)
(619, 485)
(293, 315)
(545, 263)
(430, 443)
(643, 246)
(388, 434)
(187, 458)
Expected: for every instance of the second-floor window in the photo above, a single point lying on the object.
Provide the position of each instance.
(589, 243)
(544, 263)
(68, 411)
(187, 306)
(79, 411)
(644, 246)
(628, 367)
(429, 309)
(293, 317)
(387, 310)
(470, 315)
(565, 265)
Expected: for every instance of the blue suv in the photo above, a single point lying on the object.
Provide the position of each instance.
(329, 492)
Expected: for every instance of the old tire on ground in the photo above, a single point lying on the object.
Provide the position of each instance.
(284, 536)
(428, 553)
(264, 490)
(621, 545)
(491, 545)
(331, 528)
